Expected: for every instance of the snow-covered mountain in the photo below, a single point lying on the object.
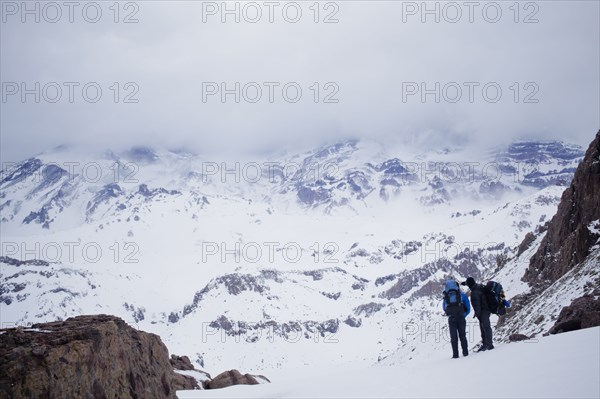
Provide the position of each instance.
(52, 188)
(330, 256)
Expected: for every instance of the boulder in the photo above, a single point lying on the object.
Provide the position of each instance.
(583, 312)
(181, 362)
(184, 382)
(517, 337)
(234, 377)
(186, 376)
(84, 357)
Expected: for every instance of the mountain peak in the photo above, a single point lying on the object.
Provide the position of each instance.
(142, 154)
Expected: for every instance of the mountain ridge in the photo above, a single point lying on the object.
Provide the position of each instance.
(297, 266)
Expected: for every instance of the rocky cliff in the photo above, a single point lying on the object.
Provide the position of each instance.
(98, 357)
(563, 265)
(85, 357)
(573, 231)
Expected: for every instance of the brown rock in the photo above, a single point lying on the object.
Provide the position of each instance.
(517, 337)
(232, 377)
(568, 239)
(181, 362)
(182, 382)
(84, 357)
(526, 243)
(583, 312)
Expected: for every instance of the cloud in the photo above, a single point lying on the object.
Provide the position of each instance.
(367, 62)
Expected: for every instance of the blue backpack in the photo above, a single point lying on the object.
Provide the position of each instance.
(452, 294)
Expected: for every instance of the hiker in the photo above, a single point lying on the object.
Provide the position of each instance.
(482, 312)
(456, 306)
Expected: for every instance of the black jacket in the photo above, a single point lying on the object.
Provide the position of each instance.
(478, 300)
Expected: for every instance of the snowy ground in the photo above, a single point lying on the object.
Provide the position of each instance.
(561, 366)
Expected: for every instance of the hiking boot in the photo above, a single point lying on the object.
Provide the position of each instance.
(483, 348)
(465, 354)
(490, 347)
(454, 356)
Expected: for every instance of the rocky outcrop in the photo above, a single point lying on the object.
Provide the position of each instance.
(187, 377)
(16, 262)
(466, 263)
(289, 330)
(184, 382)
(517, 337)
(98, 357)
(234, 377)
(181, 362)
(353, 321)
(84, 357)
(368, 309)
(569, 236)
(583, 312)
(526, 243)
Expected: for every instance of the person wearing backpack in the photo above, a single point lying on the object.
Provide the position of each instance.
(482, 312)
(456, 306)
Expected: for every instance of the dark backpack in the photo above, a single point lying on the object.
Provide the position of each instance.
(452, 294)
(494, 296)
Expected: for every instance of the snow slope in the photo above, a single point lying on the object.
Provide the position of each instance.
(539, 315)
(560, 366)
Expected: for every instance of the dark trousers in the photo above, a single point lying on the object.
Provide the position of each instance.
(486, 329)
(457, 326)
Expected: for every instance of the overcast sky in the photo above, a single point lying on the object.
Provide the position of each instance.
(374, 61)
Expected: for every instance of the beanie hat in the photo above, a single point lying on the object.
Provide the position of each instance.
(470, 282)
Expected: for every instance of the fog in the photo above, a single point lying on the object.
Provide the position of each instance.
(295, 74)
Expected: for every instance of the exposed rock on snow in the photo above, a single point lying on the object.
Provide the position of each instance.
(583, 312)
(98, 356)
(234, 377)
(186, 376)
(181, 363)
(517, 337)
(85, 356)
